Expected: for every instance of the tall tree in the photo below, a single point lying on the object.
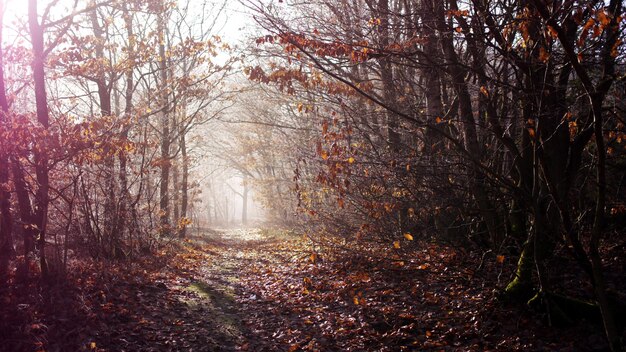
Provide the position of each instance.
(6, 219)
(166, 139)
(42, 199)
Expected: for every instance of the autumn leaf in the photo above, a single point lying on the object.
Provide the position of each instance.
(553, 32)
(408, 236)
(307, 281)
(484, 91)
(396, 244)
(604, 18)
(543, 54)
(500, 259)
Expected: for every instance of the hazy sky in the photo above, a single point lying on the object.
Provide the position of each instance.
(233, 23)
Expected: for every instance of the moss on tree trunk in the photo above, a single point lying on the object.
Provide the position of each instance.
(521, 287)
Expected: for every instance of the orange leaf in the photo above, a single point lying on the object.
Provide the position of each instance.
(604, 19)
(553, 33)
(543, 54)
(396, 244)
(408, 236)
(484, 91)
(500, 259)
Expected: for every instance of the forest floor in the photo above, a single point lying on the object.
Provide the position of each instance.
(268, 290)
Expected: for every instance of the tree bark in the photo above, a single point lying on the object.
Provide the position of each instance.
(42, 199)
(165, 165)
(184, 184)
(432, 85)
(458, 74)
(244, 196)
(128, 111)
(6, 219)
(110, 219)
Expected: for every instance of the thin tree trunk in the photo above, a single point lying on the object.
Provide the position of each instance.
(184, 184)
(104, 96)
(244, 207)
(176, 193)
(164, 201)
(477, 179)
(6, 220)
(128, 110)
(387, 77)
(41, 159)
(432, 85)
(596, 261)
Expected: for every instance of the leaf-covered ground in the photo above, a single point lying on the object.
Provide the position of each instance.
(254, 290)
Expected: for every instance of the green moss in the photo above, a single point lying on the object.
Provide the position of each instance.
(521, 287)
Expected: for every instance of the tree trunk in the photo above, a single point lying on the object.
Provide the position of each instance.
(164, 198)
(176, 193)
(432, 86)
(41, 159)
(244, 207)
(608, 318)
(110, 219)
(458, 74)
(386, 73)
(184, 184)
(6, 220)
(128, 111)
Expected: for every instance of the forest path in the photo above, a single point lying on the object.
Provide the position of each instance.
(209, 283)
(189, 302)
(216, 283)
(270, 290)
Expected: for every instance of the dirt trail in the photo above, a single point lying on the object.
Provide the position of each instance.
(190, 306)
(217, 284)
(261, 290)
